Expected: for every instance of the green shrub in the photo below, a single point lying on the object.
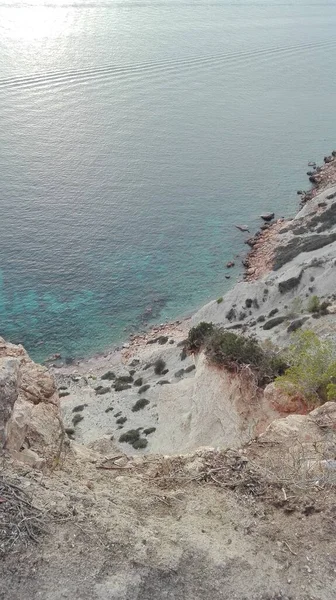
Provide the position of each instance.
(109, 375)
(77, 419)
(141, 403)
(159, 366)
(125, 379)
(121, 420)
(220, 300)
(233, 351)
(138, 382)
(119, 386)
(312, 368)
(198, 335)
(140, 443)
(130, 436)
(149, 430)
(100, 390)
(313, 305)
(144, 388)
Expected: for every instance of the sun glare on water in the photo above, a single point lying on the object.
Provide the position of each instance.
(37, 21)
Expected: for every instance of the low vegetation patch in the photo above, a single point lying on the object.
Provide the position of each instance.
(119, 386)
(138, 382)
(140, 443)
(133, 437)
(130, 436)
(149, 430)
(159, 366)
(100, 390)
(198, 335)
(316, 307)
(233, 351)
(312, 368)
(125, 379)
(109, 375)
(220, 300)
(144, 388)
(121, 420)
(141, 403)
(77, 419)
(79, 408)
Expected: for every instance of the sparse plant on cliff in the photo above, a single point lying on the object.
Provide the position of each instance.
(295, 308)
(198, 335)
(312, 370)
(159, 366)
(234, 351)
(313, 304)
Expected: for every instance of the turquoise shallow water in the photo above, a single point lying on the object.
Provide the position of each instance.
(134, 135)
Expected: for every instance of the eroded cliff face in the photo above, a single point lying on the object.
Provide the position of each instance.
(30, 424)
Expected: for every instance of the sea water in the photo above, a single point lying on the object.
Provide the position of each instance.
(134, 135)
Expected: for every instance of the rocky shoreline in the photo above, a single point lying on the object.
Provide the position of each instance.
(260, 260)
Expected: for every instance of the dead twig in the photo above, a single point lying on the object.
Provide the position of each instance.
(289, 548)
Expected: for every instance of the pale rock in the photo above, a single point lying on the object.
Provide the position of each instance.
(30, 458)
(9, 374)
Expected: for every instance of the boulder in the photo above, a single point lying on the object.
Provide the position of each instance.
(267, 216)
(29, 405)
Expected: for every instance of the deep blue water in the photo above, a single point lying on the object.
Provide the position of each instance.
(133, 135)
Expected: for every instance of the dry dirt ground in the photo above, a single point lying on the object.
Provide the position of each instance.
(215, 525)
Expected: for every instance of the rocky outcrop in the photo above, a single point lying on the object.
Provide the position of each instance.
(9, 368)
(29, 406)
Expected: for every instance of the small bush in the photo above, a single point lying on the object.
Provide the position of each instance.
(102, 390)
(63, 394)
(119, 386)
(163, 339)
(233, 351)
(220, 300)
(130, 436)
(312, 370)
(79, 408)
(179, 373)
(149, 430)
(198, 335)
(109, 375)
(138, 382)
(159, 366)
(141, 403)
(183, 354)
(125, 379)
(140, 443)
(190, 368)
(121, 420)
(313, 304)
(77, 419)
(144, 388)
